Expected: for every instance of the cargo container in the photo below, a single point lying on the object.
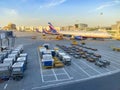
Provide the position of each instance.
(67, 60)
(1, 58)
(46, 52)
(18, 70)
(5, 54)
(15, 52)
(47, 62)
(24, 55)
(53, 53)
(9, 60)
(14, 56)
(22, 59)
(60, 55)
(19, 48)
(8, 51)
(46, 45)
(47, 56)
(5, 71)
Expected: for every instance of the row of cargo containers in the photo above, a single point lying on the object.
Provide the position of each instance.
(11, 59)
(47, 57)
(10, 68)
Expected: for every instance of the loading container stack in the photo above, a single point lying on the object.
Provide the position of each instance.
(5, 71)
(18, 70)
(49, 57)
(67, 60)
(47, 61)
(9, 61)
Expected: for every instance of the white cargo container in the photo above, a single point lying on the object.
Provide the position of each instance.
(14, 56)
(61, 54)
(8, 51)
(24, 55)
(1, 58)
(42, 49)
(9, 60)
(46, 52)
(48, 62)
(46, 45)
(15, 52)
(18, 68)
(22, 59)
(47, 57)
(5, 70)
(19, 48)
(5, 54)
(66, 60)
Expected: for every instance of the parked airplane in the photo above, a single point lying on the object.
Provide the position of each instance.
(51, 30)
(79, 35)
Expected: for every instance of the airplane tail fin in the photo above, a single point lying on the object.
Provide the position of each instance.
(52, 29)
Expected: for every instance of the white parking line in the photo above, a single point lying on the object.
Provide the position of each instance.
(91, 67)
(55, 75)
(82, 69)
(67, 74)
(73, 81)
(57, 80)
(5, 86)
(40, 66)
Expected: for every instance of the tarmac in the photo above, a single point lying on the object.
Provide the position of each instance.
(80, 75)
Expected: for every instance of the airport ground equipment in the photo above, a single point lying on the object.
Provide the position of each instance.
(9, 61)
(57, 63)
(46, 45)
(47, 61)
(22, 59)
(74, 42)
(1, 58)
(59, 37)
(102, 63)
(14, 56)
(7, 39)
(24, 55)
(33, 37)
(18, 70)
(66, 60)
(83, 42)
(115, 48)
(5, 71)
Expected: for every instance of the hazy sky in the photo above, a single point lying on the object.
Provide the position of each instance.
(59, 12)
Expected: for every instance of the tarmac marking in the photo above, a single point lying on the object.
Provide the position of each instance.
(40, 67)
(82, 69)
(90, 67)
(73, 81)
(55, 75)
(67, 74)
(5, 86)
(57, 80)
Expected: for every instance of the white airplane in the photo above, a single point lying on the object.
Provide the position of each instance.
(78, 34)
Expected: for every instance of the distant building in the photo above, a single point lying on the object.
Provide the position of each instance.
(81, 26)
(10, 26)
(116, 27)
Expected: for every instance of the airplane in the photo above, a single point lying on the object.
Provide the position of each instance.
(51, 30)
(78, 35)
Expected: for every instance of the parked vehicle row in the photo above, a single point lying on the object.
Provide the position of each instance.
(79, 52)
